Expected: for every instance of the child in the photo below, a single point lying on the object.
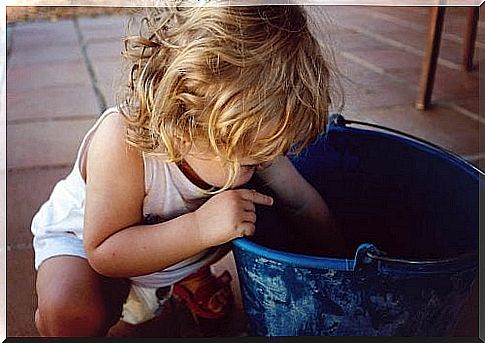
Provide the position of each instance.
(215, 96)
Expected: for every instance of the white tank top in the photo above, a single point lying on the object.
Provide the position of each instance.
(168, 194)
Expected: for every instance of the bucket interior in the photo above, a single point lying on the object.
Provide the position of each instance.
(409, 199)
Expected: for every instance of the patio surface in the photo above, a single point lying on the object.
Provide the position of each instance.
(60, 77)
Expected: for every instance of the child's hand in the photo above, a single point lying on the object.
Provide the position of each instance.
(228, 215)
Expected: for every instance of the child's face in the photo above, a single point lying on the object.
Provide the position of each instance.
(211, 169)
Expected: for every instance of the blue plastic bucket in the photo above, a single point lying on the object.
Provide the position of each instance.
(409, 212)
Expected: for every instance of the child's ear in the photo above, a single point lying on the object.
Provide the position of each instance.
(183, 143)
(183, 139)
(186, 141)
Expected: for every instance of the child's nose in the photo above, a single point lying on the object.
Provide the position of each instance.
(263, 165)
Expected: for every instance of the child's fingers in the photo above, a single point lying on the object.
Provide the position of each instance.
(249, 216)
(248, 205)
(258, 198)
(246, 228)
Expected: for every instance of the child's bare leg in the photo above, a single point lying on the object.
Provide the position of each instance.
(73, 300)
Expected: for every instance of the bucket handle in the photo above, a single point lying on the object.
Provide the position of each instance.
(363, 257)
(368, 254)
(378, 257)
(339, 120)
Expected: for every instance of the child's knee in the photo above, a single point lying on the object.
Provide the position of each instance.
(59, 316)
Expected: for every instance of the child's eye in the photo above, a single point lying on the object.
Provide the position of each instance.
(264, 165)
(249, 166)
(258, 166)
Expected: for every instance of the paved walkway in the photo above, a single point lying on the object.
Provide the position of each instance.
(60, 76)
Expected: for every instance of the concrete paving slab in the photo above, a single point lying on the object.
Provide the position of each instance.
(358, 17)
(448, 51)
(481, 30)
(449, 84)
(455, 83)
(103, 35)
(416, 24)
(43, 25)
(45, 54)
(116, 22)
(471, 104)
(411, 75)
(41, 75)
(44, 34)
(367, 85)
(51, 102)
(357, 41)
(410, 37)
(380, 95)
(108, 75)
(109, 91)
(21, 297)
(418, 16)
(455, 19)
(45, 143)
(455, 132)
(363, 74)
(389, 58)
(107, 71)
(27, 190)
(350, 69)
(105, 50)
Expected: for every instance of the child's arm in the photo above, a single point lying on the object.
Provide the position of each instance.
(116, 244)
(304, 205)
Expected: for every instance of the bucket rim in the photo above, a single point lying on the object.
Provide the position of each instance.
(338, 122)
(465, 261)
(293, 259)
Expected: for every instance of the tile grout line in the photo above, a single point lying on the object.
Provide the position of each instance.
(382, 71)
(409, 25)
(89, 66)
(402, 46)
(464, 111)
(474, 157)
(49, 119)
(374, 68)
(40, 167)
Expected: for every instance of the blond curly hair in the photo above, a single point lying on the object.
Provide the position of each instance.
(250, 81)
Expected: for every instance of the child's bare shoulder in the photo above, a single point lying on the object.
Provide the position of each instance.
(109, 147)
(112, 127)
(111, 134)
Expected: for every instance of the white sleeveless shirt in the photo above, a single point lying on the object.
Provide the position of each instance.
(168, 194)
